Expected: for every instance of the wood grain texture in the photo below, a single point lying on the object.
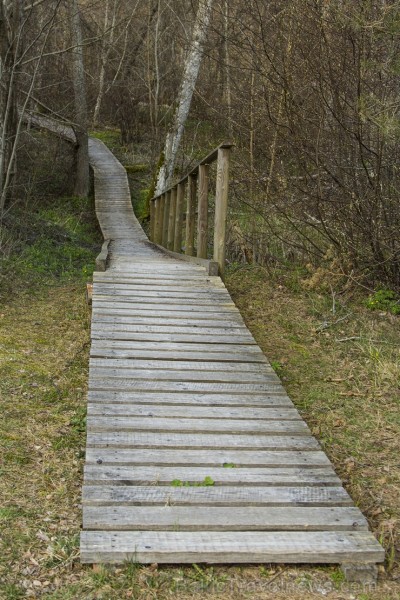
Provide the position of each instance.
(217, 518)
(321, 476)
(194, 399)
(133, 495)
(205, 458)
(223, 441)
(190, 425)
(180, 394)
(193, 412)
(233, 547)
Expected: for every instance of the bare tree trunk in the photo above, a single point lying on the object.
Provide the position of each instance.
(9, 51)
(157, 70)
(106, 45)
(191, 71)
(81, 188)
(227, 96)
(103, 62)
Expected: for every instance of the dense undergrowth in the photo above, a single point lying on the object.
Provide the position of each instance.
(336, 356)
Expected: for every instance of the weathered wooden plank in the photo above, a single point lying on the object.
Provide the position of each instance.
(142, 299)
(130, 495)
(206, 458)
(181, 386)
(221, 208)
(182, 365)
(167, 322)
(242, 547)
(153, 278)
(102, 333)
(160, 263)
(233, 349)
(191, 215)
(211, 425)
(217, 518)
(206, 286)
(200, 295)
(193, 412)
(99, 350)
(171, 221)
(194, 399)
(165, 204)
(202, 212)
(237, 332)
(127, 373)
(148, 475)
(156, 313)
(218, 441)
(180, 196)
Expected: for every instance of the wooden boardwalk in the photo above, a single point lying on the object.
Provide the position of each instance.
(194, 451)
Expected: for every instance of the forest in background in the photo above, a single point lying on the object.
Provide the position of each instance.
(307, 90)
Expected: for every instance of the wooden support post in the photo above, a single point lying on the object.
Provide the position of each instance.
(180, 197)
(191, 215)
(171, 223)
(152, 219)
(162, 205)
(202, 220)
(167, 206)
(158, 231)
(221, 208)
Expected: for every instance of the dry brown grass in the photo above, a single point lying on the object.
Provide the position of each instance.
(342, 371)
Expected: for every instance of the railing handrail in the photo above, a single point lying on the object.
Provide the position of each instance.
(208, 160)
(167, 209)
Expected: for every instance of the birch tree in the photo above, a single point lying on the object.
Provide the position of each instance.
(190, 74)
(106, 45)
(82, 157)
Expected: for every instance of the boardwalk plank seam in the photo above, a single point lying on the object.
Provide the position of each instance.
(180, 395)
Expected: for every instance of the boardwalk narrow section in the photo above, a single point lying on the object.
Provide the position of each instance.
(194, 451)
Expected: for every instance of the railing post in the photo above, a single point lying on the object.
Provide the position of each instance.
(221, 208)
(167, 206)
(180, 197)
(202, 220)
(171, 222)
(158, 233)
(152, 219)
(191, 215)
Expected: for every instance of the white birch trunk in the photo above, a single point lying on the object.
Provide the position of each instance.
(103, 61)
(106, 45)
(191, 71)
(82, 158)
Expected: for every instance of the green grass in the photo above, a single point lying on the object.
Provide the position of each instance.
(56, 243)
(207, 481)
(110, 137)
(384, 299)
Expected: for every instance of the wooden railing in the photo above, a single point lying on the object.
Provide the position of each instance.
(168, 212)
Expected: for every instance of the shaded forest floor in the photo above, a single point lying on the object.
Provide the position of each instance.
(340, 367)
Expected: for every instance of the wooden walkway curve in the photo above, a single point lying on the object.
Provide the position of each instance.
(194, 453)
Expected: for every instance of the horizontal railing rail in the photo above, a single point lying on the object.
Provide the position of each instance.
(169, 211)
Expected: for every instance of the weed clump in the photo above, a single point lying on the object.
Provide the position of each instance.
(385, 300)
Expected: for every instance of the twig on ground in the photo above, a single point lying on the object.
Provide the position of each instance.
(327, 324)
